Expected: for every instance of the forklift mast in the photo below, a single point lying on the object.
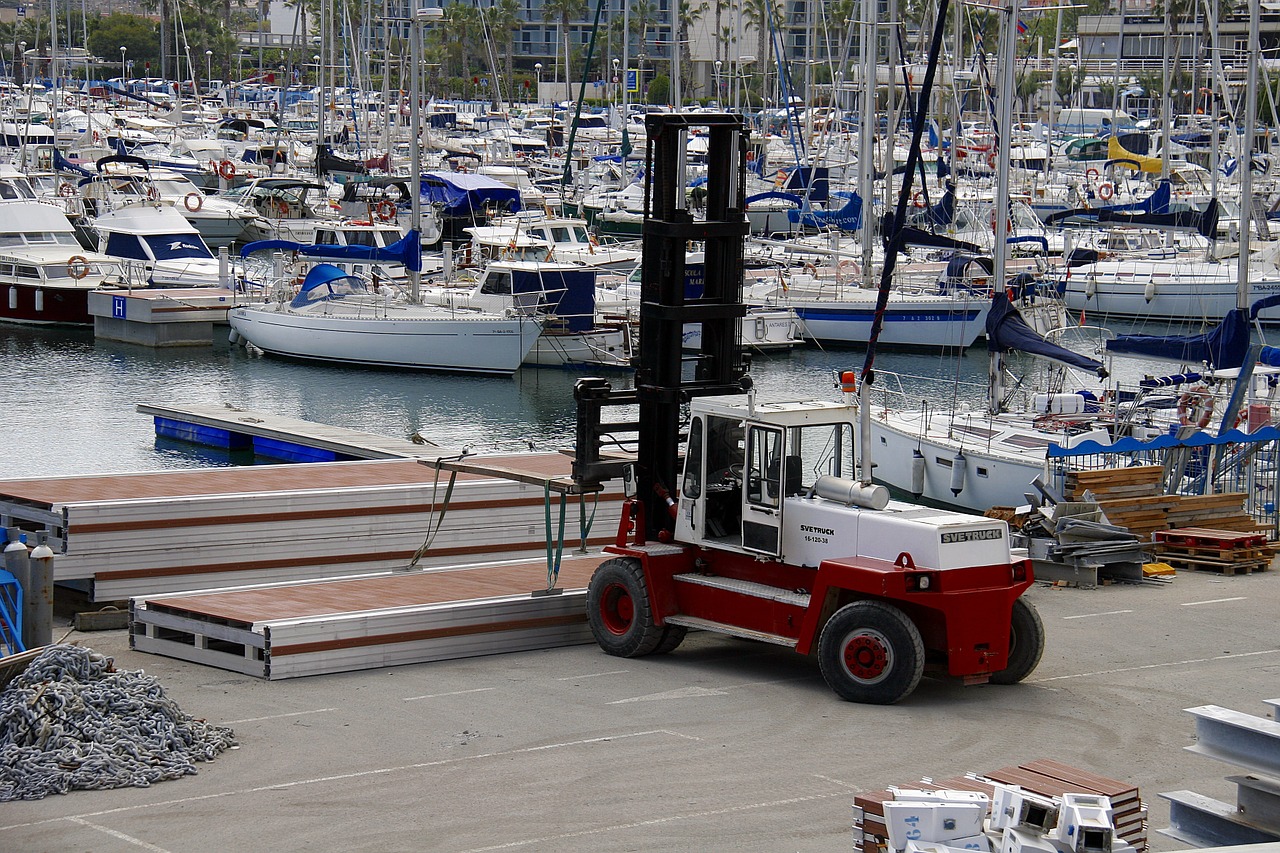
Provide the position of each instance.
(667, 376)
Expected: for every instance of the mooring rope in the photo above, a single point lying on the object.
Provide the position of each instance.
(70, 721)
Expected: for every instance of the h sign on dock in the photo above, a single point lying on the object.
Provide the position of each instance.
(118, 311)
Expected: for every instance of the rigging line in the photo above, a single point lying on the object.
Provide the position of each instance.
(582, 93)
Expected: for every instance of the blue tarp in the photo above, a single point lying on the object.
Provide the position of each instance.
(325, 281)
(1224, 346)
(462, 193)
(847, 218)
(407, 250)
(1162, 442)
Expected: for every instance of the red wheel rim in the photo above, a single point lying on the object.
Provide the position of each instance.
(868, 656)
(617, 610)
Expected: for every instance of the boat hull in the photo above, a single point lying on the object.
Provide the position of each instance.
(45, 305)
(1145, 291)
(945, 324)
(454, 344)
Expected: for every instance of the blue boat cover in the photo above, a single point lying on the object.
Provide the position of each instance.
(1224, 346)
(407, 250)
(320, 284)
(1008, 332)
(569, 294)
(462, 193)
(847, 218)
(62, 164)
(1157, 203)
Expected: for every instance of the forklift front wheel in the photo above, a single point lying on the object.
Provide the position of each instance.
(1026, 644)
(620, 612)
(871, 652)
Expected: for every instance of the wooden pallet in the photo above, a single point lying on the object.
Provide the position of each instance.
(1210, 538)
(1226, 567)
(1044, 777)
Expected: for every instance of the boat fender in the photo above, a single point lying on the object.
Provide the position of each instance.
(917, 472)
(851, 492)
(957, 473)
(1090, 288)
(1149, 292)
(233, 337)
(1195, 406)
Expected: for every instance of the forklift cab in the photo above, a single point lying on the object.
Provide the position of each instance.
(743, 462)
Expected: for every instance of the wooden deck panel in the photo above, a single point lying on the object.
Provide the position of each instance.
(57, 491)
(300, 601)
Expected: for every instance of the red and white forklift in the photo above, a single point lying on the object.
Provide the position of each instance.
(750, 518)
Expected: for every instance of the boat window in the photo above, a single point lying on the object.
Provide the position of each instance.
(561, 234)
(10, 240)
(166, 247)
(580, 235)
(360, 238)
(23, 271)
(497, 283)
(326, 238)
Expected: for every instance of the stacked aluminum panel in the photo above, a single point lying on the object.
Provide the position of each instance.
(163, 532)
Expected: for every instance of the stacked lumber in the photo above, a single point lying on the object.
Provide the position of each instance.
(1133, 498)
(1206, 549)
(1044, 777)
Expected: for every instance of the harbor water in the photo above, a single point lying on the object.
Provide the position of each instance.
(70, 401)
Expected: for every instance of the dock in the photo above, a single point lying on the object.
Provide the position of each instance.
(281, 438)
(346, 624)
(160, 317)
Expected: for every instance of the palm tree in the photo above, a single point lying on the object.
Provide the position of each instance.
(563, 11)
(688, 13)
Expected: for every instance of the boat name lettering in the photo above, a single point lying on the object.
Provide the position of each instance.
(972, 536)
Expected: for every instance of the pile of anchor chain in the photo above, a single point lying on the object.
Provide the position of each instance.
(71, 721)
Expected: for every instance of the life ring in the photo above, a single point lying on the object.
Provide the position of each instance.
(97, 137)
(917, 200)
(991, 159)
(193, 202)
(845, 267)
(811, 269)
(385, 210)
(226, 170)
(77, 266)
(153, 194)
(1106, 190)
(1195, 406)
(66, 190)
(1091, 174)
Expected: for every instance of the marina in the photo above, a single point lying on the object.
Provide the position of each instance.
(572, 471)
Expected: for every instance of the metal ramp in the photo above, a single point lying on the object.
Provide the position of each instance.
(277, 631)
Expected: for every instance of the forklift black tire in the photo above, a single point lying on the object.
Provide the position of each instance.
(672, 636)
(1026, 643)
(871, 652)
(620, 611)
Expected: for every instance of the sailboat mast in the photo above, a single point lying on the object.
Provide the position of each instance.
(1001, 213)
(1245, 157)
(866, 136)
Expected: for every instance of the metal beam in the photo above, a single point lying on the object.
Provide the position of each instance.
(1236, 738)
(1201, 821)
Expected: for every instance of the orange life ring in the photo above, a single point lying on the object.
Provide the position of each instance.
(96, 137)
(77, 266)
(844, 267)
(66, 190)
(991, 159)
(811, 269)
(193, 202)
(917, 200)
(1195, 407)
(385, 210)
(226, 170)
(1106, 190)
(1091, 174)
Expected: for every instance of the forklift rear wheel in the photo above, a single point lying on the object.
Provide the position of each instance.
(871, 652)
(620, 612)
(1026, 643)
